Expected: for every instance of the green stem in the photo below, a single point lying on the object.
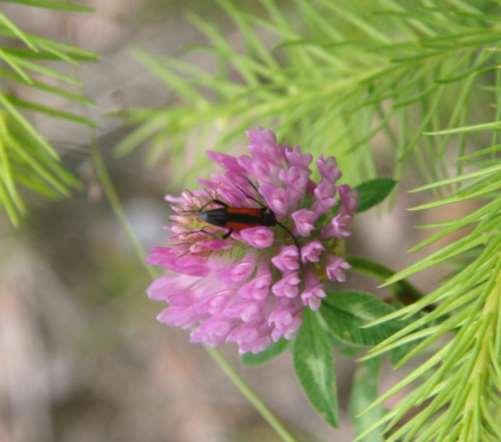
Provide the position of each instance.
(250, 395)
(116, 207)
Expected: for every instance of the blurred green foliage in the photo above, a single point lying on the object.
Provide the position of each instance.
(416, 82)
(359, 79)
(331, 76)
(27, 159)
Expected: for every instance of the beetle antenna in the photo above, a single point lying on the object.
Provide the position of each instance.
(263, 205)
(212, 201)
(259, 203)
(253, 186)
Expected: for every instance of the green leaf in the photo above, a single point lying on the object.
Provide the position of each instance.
(493, 125)
(44, 70)
(373, 192)
(6, 168)
(403, 290)
(14, 65)
(314, 366)
(29, 129)
(364, 392)
(259, 358)
(346, 348)
(4, 21)
(49, 48)
(346, 314)
(50, 111)
(172, 81)
(37, 168)
(460, 178)
(71, 96)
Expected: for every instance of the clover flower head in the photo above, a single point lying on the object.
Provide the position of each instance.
(254, 246)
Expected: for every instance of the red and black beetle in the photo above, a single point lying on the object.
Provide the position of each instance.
(237, 218)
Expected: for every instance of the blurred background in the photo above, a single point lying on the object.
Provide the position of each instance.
(81, 355)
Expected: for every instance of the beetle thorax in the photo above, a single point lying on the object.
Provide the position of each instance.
(268, 217)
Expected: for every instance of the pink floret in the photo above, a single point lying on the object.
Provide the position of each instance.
(250, 286)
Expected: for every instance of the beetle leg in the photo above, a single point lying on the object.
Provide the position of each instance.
(204, 206)
(227, 234)
(198, 210)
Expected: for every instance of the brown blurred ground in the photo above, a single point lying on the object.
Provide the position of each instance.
(81, 356)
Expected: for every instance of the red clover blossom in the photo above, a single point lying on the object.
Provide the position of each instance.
(250, 283)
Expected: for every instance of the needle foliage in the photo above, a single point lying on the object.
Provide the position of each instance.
(416, 82)
(27, 159)
(420, 81)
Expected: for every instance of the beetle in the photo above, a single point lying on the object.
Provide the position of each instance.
(238, 218)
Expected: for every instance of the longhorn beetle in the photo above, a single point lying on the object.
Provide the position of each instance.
(237, 218)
